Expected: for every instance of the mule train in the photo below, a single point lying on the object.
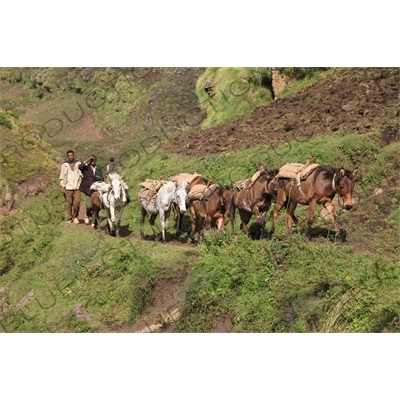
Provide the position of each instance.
(208, 203)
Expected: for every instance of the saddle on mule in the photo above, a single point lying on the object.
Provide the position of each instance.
(149, 189)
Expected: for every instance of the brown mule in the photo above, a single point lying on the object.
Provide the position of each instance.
(199, 180)
(97, 206)
(216, 201)
(254, 200)
(320, 187)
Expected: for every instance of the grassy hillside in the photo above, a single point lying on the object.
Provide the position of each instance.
(227, 93)
(27, 162)
(74, 279)
(286, 284)
(127, 102)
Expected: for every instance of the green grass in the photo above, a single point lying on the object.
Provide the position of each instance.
(268, 286)
(110, 279)
(23, 153)
(290, 286)
(97, 283)
(236, 91)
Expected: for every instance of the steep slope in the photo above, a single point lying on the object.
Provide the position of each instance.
(27, 163)
(99, 283)
(341, 100)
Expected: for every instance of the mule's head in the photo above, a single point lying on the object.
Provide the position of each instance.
(180, 194)
(116, 187)
(345, 187)
(272, 186)
(227, 196)
(271, 183)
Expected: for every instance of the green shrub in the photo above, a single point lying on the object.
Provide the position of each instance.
(290, 286)
(300, 72)
(234, 92)
(5, 122)
(386, 165)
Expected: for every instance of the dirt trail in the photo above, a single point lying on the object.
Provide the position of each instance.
(163, 311)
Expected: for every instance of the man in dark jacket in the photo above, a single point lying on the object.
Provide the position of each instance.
(91, 173)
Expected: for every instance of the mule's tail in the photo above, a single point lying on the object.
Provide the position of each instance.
(232, 210)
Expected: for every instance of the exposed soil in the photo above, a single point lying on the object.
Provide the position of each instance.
(357, 100)
(167, 297)
(88, 129)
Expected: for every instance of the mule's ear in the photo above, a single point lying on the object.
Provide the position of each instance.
(354, 172)
(342, 172)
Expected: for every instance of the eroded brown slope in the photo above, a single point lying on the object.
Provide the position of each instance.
(355, 99)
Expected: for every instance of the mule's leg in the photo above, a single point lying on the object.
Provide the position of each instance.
(259, 220)
(178, 219)
(310, 217)
(232, 215)
(244, 218)
(279, 204)
(110, 224)
(112, 227)
(200, 227)
(192, 217)
(288, 217)
(143, 214)
(151, 221)
(331, 209)
(262, 224)
(112, 212)
(166, 223)
(95, 220)
(220, 223)
(164, 216)
(207, 222)
(119, 220)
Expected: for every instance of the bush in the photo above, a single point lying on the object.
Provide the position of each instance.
(5, 122)
(300, 72)
(386, 165)
(290, 286)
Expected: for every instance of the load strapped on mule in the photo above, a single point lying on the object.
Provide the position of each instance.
(197, 184)
(101, 187)
(298, 172)
(196, 192)
(249, 182)
(149, 189)
(201, 192)
(192, 180)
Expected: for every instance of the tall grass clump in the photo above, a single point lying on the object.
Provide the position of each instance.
(232, 92)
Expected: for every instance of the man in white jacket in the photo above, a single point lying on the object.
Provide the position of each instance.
(70, 180)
